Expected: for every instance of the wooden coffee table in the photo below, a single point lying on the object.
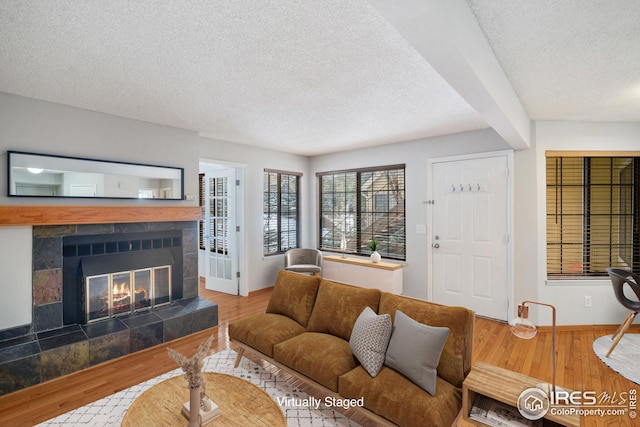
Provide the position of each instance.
(241, 404)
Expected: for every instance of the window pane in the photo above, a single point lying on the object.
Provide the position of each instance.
(363, 206)
(280, 212)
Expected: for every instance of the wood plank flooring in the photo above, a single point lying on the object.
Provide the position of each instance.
(578, 367)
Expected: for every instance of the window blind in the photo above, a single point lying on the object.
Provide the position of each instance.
(201, 203)
(592, 214)
(280, 211)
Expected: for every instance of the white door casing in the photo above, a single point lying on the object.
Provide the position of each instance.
(470, 234)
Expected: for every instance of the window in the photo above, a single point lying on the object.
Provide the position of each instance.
(217, 215)
(363, 205)
(201, 201)
(281, 202)
(593, 214)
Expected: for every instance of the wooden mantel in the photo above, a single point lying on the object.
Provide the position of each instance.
(20, 215)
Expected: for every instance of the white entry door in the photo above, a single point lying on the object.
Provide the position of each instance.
(220, 233)
(470, 234)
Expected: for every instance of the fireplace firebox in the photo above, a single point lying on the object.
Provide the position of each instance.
(112, 294)
(111, 275)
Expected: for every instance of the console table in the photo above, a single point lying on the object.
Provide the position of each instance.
(386, 276)
(241, 404)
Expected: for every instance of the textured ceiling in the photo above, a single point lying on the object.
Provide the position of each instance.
(568, 59)
(311, 77)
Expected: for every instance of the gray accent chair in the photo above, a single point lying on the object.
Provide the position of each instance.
(303, 260)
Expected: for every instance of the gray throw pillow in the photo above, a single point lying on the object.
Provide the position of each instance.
(369, 339)
(415, 349)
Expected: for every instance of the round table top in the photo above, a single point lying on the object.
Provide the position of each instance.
(241, 404)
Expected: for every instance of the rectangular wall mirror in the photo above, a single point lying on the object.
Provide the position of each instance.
(43, 175)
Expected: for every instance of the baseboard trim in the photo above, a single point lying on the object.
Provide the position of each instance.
(571, 328)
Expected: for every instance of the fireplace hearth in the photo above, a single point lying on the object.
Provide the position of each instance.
(103, 291)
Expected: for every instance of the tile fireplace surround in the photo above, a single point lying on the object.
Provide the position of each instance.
(50, 347)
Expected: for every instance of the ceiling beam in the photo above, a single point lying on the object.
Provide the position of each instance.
(447, 34)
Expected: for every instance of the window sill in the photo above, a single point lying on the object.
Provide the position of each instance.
(364, 262)
(598, 281)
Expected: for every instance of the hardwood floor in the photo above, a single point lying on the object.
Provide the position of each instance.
(578, 368)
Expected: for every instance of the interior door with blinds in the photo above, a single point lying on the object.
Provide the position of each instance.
(219, 232)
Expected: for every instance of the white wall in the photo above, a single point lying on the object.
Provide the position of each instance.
(15, 281)
(530, 222)
(43, 127)
(415, 155)
(31, 125)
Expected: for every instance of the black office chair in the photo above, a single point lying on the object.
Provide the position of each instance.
(619, 278)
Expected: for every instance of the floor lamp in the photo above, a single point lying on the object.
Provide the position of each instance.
(523, 328)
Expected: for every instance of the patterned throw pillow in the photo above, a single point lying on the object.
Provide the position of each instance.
(369, 339)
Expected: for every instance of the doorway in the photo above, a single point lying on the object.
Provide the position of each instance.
(471, 260)
(219, 230)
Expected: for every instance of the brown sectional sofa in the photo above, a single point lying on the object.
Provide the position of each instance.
(306, 331)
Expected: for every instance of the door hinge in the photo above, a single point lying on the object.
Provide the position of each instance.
(237, 182)
(507, 173)
(238, 274)
(237, 228)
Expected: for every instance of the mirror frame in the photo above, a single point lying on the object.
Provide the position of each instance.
(88, 165)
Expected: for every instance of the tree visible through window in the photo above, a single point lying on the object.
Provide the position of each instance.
(593, 215)
(280, 217)
(363, 205)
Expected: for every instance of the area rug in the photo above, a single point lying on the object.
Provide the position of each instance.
(624, 359)
(110, 411)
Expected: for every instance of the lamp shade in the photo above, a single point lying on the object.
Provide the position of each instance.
(522, 328)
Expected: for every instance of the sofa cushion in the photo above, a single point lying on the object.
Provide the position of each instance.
(294, 295)
(263, 331)
(394, 397)
(338, 306)
(414, 350)
(321, 357)
(455, 360)
(370, 338)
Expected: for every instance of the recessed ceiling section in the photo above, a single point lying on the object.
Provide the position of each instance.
(299, 76)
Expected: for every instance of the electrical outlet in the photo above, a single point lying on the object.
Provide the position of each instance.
(587, 301)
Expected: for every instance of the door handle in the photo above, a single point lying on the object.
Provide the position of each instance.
(437, 245)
